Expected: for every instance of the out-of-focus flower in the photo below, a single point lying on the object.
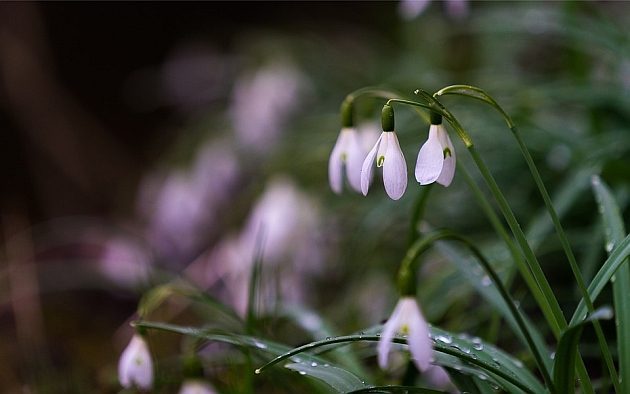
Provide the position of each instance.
(284, 227)
(436, 159)
(196, 386)
(262, 103)
(125, 262)
(135, 368)
(407, 319)
(347, 151)
(181, 206)
(411, 9)
(388, 155)
(438, 377)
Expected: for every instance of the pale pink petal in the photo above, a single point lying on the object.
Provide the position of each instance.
(394, 168)
(430, 158)
(448, 168)
(368, 165)
(335, 164)
(385, 343)
(354, 161)
(419, 342)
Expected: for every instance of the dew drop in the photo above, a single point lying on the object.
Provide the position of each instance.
(257, 371)
(609, 246)
(486, 281)
(313, 364)
(518, 363)
(482, 377)
(302, 373)
(444, 339)
(260, 345)
(477, 346)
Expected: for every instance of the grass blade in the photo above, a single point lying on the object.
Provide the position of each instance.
(614, 233)
(566, 356)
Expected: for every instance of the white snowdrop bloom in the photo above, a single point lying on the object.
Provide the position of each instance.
(135, 368)
(196, 386)
(436, 159)
(387, 154)
(346, 153)
(407, 320)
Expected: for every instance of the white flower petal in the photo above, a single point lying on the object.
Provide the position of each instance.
(335, 163)
(196, 387)
(419, 342)
(430, 158)
(394, 168)
(354, 161)
(135, 367)
(382, 149)
(385, 343)
(448, 168)
(368, 165)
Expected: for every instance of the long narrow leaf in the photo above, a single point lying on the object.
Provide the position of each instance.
(488, 359)
(564, 371)
(614, 233)
(303, 363)
(615, 260)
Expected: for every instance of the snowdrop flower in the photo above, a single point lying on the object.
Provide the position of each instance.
(388, 155)
(347, 151)
(135, 367)
(436, 159)
(196, 386)
(407, 320)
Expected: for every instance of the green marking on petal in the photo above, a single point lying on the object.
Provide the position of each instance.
(380, 161)
(344, 156)
(404, 330)
(447, 152)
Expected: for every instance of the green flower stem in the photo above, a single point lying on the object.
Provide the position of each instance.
(544, 295)
(418, 212)
(409, 267)
(566, 246)
(479, 94)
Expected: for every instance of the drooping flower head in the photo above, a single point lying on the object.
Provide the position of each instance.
(407, 319)
(387, 154)
(348, 152)
(436, 159)
(135, 368)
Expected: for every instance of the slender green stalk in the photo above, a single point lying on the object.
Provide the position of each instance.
(418, 212)
(566, 246)
(479, 94)
(407, 281)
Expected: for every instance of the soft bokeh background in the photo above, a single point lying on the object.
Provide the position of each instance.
(143, 142)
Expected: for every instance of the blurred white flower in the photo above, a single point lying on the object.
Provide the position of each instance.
(181, 206)
(438, 377)
(407, 319)
(135, 368)
(411, 9)
(368, 133)
(388, 155)
(436, 159)
(347, 152)
(196, 386)
(284, 224)
(262, 103)
(125, 262)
